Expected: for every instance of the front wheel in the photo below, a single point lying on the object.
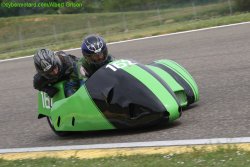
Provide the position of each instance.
(59, 133)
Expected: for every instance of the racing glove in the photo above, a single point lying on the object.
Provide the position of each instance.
(51, 91)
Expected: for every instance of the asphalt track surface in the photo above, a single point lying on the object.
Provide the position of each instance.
(218, 59)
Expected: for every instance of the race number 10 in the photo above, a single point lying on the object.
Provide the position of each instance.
(120, 64)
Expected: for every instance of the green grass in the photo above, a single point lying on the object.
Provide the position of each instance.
(222, 158)
(21, 36)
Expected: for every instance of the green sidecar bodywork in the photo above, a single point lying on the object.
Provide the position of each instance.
(123, 94)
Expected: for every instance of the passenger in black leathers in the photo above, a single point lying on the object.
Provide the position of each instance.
(54, 67)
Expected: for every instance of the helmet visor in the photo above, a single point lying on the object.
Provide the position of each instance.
(52, 73)
(97, 58)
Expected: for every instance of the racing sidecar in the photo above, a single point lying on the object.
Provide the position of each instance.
(122, 94)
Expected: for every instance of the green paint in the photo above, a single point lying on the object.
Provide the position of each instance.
(171, 82)
(157, 88)
(80, 107)
(79, 113)
(183, 73)
(43, 99)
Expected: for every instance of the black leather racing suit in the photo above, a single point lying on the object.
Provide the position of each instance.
(66, 72)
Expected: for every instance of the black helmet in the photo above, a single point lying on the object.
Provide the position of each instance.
(45, 62)
(94, 49)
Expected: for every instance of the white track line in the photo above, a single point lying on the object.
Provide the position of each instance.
(134, 145)
(163, 35)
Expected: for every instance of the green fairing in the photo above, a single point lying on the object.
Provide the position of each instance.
(45, 103)
(157, 88)
(177, 88)
(77, 113)
(183, 73)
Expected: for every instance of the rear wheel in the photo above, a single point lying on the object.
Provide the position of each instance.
(59, 133)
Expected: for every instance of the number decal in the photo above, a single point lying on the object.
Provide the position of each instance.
(120, 64)
(47, 101)
(111, 67)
